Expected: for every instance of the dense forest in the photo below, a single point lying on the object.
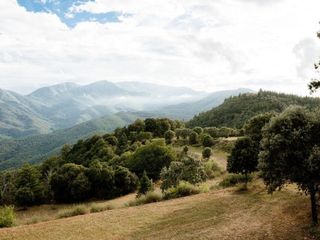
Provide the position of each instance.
(235, 111)
(110, 165)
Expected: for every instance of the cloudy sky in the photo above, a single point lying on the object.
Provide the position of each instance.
(204, 44)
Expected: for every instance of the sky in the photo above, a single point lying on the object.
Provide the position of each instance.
(207, 45)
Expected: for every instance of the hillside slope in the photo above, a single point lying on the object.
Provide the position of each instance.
(220, 214)
(15, 152)
(235, 111)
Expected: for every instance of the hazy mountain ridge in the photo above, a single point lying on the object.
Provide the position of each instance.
(65, 105)
(186, 111)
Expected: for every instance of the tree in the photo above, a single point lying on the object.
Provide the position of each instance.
(70, 184)
(193, 138)
(253, 127)
(151, 158)
(145, 184)
(168, 136)
(101, 177)
(198, 130)
(243, 158)
(206, 153)
(290, 153)
(125, 181)
(207, 140)
(29, 187)
(187, 169)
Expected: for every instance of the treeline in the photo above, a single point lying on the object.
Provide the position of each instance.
(235, 111)
(107, 166)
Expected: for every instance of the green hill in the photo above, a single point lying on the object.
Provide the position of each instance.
(235, 111)
(14, 152)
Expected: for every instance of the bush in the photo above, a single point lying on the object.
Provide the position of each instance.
(7, 216)
(234, 179)
(212, 169)
(183, 189)
(150, 197)
(97, 208)
(145, 184)
(206, 153)
(74, 211)
(187, 169)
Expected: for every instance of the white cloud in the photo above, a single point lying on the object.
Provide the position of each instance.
(204, 44)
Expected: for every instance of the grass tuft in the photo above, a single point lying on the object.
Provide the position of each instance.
(73, 211)
(150, 197)
(96, 208)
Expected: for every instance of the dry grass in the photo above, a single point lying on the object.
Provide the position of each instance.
(48, 212)
(221, 214)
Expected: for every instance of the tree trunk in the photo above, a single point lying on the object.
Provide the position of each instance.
(313, 205)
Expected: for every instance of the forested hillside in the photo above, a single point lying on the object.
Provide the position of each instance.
(33, 149)
(235, 111)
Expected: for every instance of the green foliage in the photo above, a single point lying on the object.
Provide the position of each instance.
(290, 153)
(29, 188)
(198, 130)
(234, 179)
(243, 157)
(125, 181)
(207, 140)
(253, 127)
(84, 152)
(7, 187)
(235, 111)
(70, 184)
(187, 169)
(7, 216)
(193, 138)
(206, 153)
(145, 184)
(212, 169)
(168, 136)
(151, 158)
(101, 177)
(183, 189)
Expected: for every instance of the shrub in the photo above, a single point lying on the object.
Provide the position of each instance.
(145, 184)
(212, 169)
(206, 153)
(207, 140)
(151, 158)
(233, 179)
(74, 211)
(97, 208)
(7, 216)
(187, 169)
(150, 197)
(183, 189)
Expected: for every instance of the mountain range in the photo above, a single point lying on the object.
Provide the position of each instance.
(65, 105)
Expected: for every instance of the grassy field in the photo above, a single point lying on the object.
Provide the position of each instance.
(220, 214)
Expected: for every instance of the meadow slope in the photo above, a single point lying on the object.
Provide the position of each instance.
(219, 214)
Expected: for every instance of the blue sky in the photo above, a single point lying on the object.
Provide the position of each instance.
(62, 8)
